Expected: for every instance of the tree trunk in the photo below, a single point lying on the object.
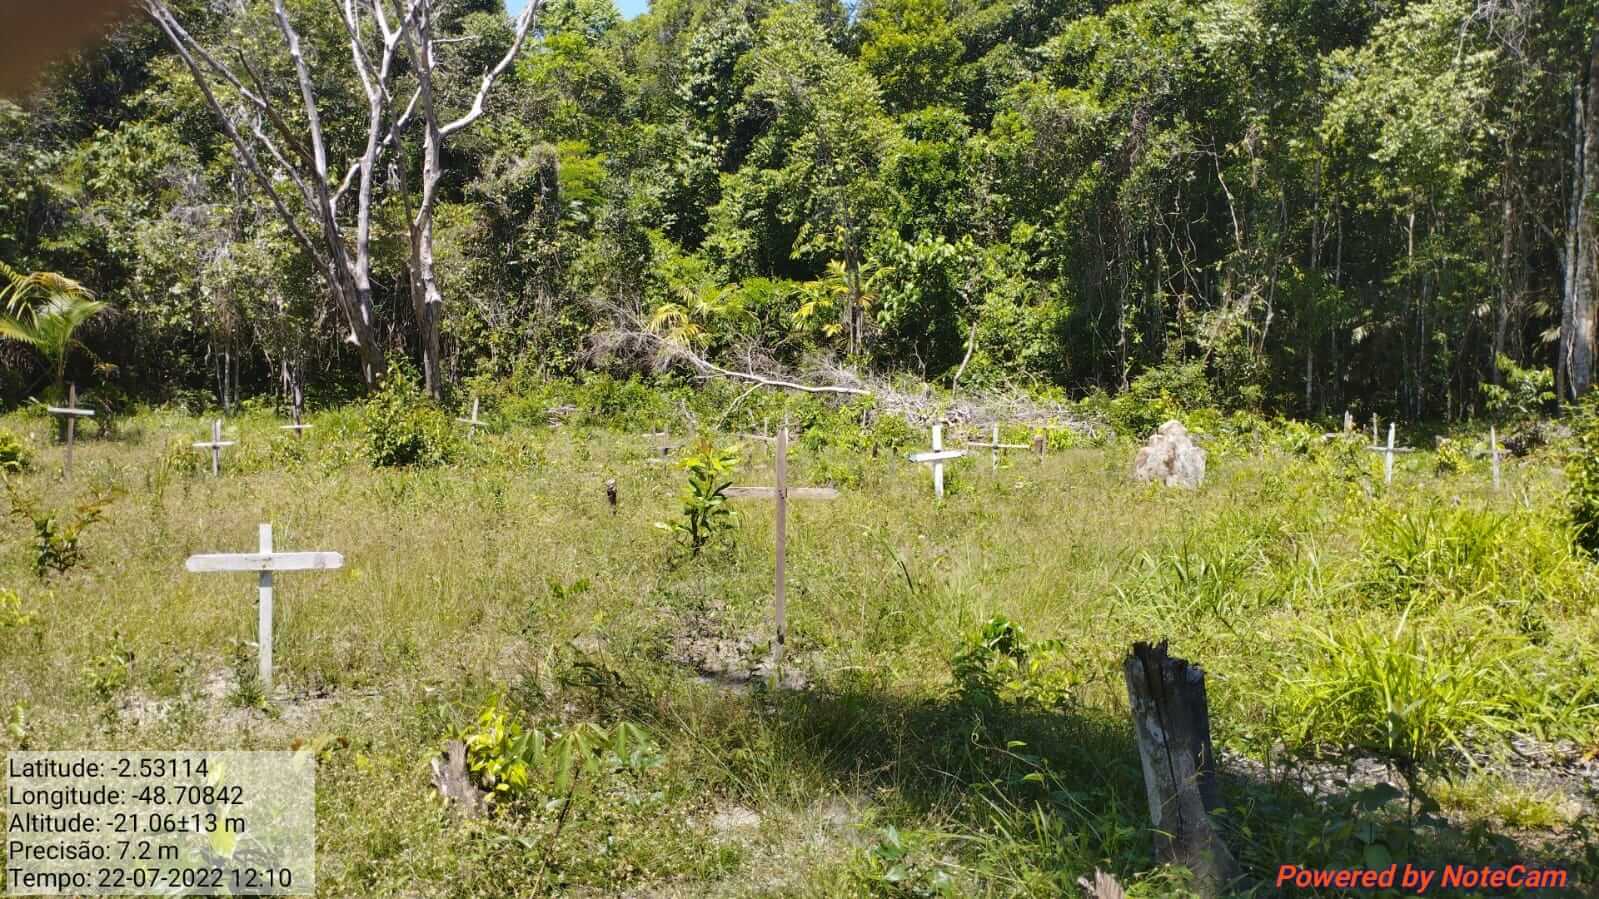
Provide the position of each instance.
(1582, 238)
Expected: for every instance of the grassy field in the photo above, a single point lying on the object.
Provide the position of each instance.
(956, 719)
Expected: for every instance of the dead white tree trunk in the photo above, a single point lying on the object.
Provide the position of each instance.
(425, 294)
(277, 152)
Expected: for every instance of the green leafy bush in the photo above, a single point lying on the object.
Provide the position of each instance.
(1582, 472)
(14, 456)
(56, 533)
(1000, 664)
(1162, 392)
(513, 762)
(1525, 394)
(705, 510)
(403, 428)
(1450, 458)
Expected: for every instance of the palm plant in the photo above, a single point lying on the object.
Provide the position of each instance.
(44, 310)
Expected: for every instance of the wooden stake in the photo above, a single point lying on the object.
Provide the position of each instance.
(1171, 721)
(1493, 452)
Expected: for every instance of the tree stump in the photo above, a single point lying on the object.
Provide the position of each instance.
(450, 778)
(1172, 723)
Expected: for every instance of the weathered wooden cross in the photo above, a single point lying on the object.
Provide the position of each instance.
(72, 414)
(1388, 455)
(264, 562)
(782, 493)
(994, 446)
(474, 421)
(938, 457)
(215, 445)
(1494, 452)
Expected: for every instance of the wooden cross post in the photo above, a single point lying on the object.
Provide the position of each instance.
(782, 493)
(1388, 455)
(215, 446)
(299, 404)
(72, 414)
(1494, 452)
(937, 457)
(1040, 444)
(994, 446)
(264, 563)
(474, 421)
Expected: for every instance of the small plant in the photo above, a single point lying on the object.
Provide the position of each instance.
(110, 672)
(17, 729)
(247, 692)
(14, 456)
(705, 510)
(999, 664)
(1450, 458)
(403, 428)
(57, 535)
(12, 616)
(513, 762)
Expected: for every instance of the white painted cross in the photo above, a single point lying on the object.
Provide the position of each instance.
(1388, 455)
(782, 493)
(1494, 452)
(265, 562)
(474, 421)
(298, 428)
(215, 445)
(938, 457)
(994, 446)
(72, 414)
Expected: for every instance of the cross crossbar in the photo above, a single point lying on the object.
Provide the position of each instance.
(268, 561)
(939, 456)
(61, 410)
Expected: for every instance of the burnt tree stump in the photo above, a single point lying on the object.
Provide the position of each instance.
(451, 779)
(1172, 723)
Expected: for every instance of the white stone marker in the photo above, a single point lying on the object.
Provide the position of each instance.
(937, 457)
(215, 445)
(1494, 452)
(994, 446)
(782, 493)
(1388, 455)
(72, 413)
(474, 421)
(265, 562)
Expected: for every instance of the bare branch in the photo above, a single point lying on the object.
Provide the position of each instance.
(523, 23)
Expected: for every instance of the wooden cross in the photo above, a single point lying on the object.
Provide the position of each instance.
(782, 493)
(663, 448)
(937, 457)
(1349, 422)
(72, 414)
(298, 427)
(1040, 444)
(474, 421)
(1388, 455)
(264, 563)
(215, 445)
(1494, 452)
(994, 446)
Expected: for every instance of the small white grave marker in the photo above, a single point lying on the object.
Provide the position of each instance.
(72, 414)
(1494, 452)
(298, 428)
(474, 421)
(265, 562)
(782, 493)
(994, 446)
(1388, 455)
(938, 457)
(215, 445)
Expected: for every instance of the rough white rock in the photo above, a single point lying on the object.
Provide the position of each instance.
(1171, 458)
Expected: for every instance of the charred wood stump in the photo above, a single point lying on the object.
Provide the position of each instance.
(1172, 723)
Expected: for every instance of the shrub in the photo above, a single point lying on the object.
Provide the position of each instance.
(1526, 392)
(513, 762)
(1450, 458)
(1582, 472)
(1435, 551)
(1160, 393)
(705, 510)
(14, 456)
(403, 428)
(57, 535)
(999, 664)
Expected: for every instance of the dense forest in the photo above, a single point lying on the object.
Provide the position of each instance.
(1314, 204)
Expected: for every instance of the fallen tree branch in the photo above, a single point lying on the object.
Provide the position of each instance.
(667, 351)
